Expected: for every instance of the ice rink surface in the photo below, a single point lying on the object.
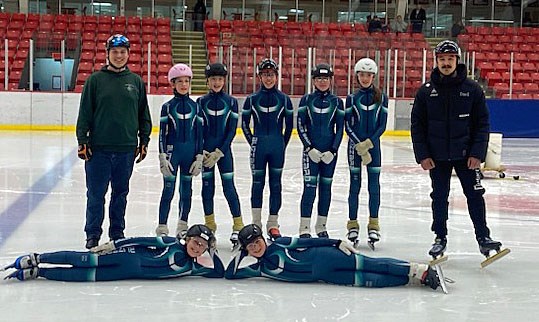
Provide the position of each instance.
(42, 205)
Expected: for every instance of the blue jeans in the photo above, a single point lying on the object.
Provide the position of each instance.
(104, 168)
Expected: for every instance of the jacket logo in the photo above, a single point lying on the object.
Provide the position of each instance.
(130, 87)
(467, 94)
(433, 93)
(464, 115)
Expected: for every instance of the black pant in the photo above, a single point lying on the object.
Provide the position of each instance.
(470, 181)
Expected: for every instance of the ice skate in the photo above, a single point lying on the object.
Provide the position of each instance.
(353, 237)
(373, 231)
(486, 245)
(234, 240)
(273, 227)
(305, 227)
(434, 278)
(274, 233)
(161, 230)
(236, 227)
(353, 232)
(25, 261)
(437, 251)
(320, 228)
(24, 274)
(181, 229)
(323, 234)
(374, 236)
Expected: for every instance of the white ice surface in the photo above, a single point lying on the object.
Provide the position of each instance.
(35, 182)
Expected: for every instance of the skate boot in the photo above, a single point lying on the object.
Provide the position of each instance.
(373, 231)
(209, 221)
(273, 227)
(24, 274)
(353, 232)
(236, 227)
(181, 229)
(437, 250)
(486, 245)
(305, 227)
(320, 227)
(323, 234)
(234, 240)
(25, 261)
(161, 230)
(434, 278)
(274, 233)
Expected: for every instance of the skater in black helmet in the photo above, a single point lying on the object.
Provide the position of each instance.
(220, 118)
(329, 260)
(450, 130)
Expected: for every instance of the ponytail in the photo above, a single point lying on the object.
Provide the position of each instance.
(377, 97)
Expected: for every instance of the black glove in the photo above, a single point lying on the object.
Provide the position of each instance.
(84, 152)
(141, 152)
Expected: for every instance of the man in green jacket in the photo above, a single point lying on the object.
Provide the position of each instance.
(113, 128)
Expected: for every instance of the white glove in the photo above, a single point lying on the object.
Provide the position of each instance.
(165, 166)
(327, 157)
(363, 146)
(196, 166)
(366, 158)
(315, 155)
(347, 248)
(211, 158)
(105, 248)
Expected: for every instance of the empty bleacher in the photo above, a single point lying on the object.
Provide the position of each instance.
(332, 42)
(87, 34)
(141, 32)
(493, 47)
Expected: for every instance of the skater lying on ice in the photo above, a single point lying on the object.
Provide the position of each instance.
(323, 259)
(129, 258)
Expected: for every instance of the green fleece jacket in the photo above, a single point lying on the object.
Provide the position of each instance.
(113, 112)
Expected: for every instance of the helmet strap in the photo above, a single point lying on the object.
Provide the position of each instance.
(116, 69)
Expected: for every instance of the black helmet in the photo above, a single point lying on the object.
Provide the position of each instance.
(117, 40)
(203, 232)
(267, 63)
(447, 47)
(248, 234)
(322, 70)
(216, 69)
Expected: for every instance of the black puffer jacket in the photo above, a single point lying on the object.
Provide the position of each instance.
(450, 119)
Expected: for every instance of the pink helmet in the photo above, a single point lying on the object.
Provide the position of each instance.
(179, 70)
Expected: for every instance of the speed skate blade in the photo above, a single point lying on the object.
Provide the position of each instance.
(438, 260)
(441, 278)
(495, 257)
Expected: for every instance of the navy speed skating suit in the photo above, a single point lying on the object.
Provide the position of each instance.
(180, 137)
(365, 119)
(134, 258)
(319, 259)
(272, 114)
(220, 118)
(320, 124)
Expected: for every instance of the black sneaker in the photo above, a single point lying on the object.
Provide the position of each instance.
(92, 242)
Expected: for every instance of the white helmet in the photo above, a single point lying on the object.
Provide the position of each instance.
(366, 65)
